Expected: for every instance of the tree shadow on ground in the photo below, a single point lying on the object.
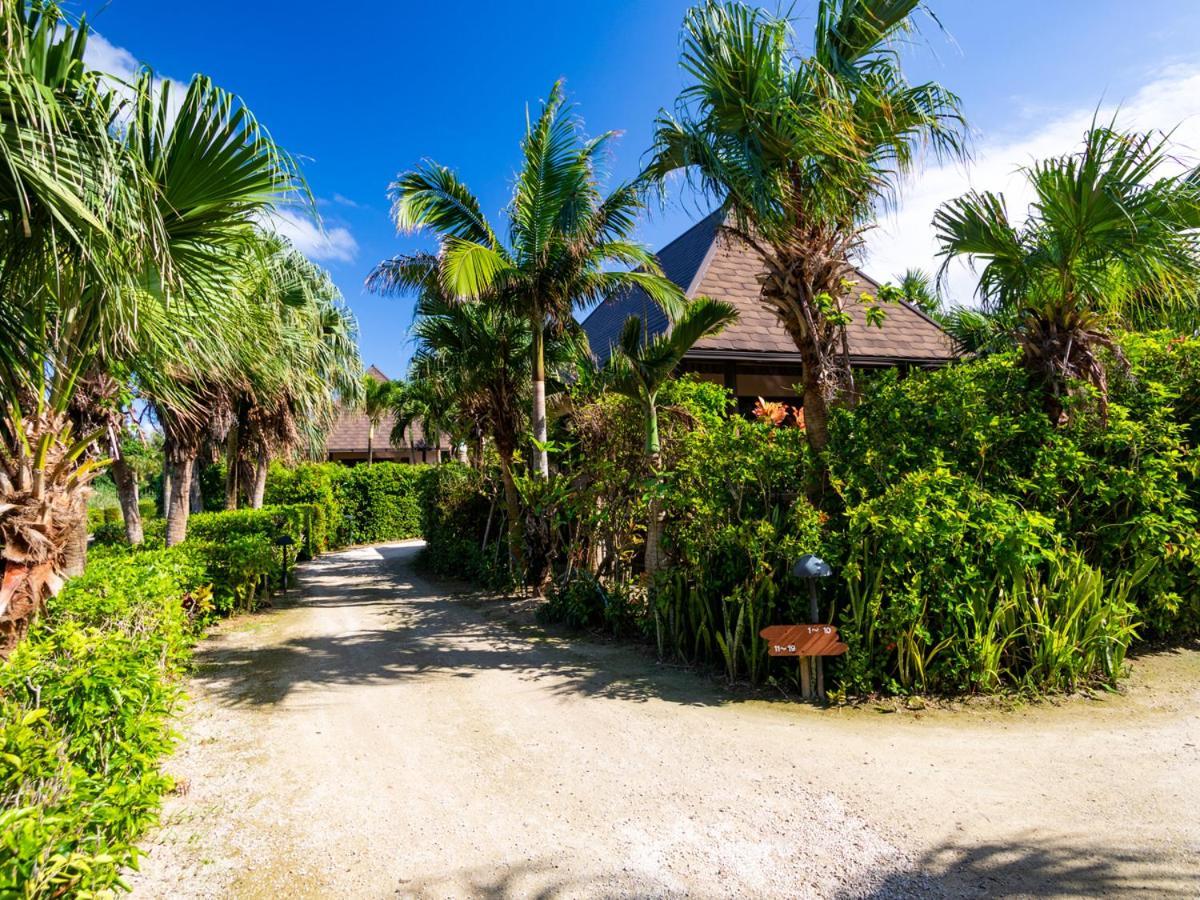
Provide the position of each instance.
(537, 880)
(417, 633)
(1031, 865)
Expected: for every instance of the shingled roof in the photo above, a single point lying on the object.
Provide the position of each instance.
(349, 432)
(704, 261)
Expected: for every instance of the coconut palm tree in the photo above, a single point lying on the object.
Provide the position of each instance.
(563, 237)
(920, 289)
(1111, 237)
(639, 368)
(801, 149)
(378, 398)
(471, 362)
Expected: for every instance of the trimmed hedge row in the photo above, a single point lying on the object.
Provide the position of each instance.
(353, 505)
(86, 702)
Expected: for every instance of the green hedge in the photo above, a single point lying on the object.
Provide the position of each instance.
(455, 501)
(85, 703)
(353, 505)
(86, 699)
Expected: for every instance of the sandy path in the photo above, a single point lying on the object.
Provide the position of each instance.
(379, 739)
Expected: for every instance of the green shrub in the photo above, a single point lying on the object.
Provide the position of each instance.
(85, 703)
(316, 484)
(581, 601)
(381, 502)
(457, 506)
(352, 504)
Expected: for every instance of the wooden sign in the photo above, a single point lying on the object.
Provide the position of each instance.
(803, 640)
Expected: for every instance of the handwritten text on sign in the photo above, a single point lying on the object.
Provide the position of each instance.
(803, 640)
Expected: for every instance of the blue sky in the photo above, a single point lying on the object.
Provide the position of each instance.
(363, 91)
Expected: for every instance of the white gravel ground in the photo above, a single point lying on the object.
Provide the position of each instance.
(382, 739)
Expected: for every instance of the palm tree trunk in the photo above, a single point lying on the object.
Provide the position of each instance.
(76, 546)
(261, 466)
(179, 500)
(654, 525)
(816, 414)
(127, 495)
(232, 454)
(541, 458)
(195, 496)
(512, 508)
(371, 444)
(165, 488)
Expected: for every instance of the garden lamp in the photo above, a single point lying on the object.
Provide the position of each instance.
(810, 567)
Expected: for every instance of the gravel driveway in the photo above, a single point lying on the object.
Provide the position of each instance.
(379, 738)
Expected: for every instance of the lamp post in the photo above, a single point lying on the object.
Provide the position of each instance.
(809, 568)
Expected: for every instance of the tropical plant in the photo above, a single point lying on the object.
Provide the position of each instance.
(639, 367)
(303, 363)
(800, 150)
(74, 238)
(378, 397)
(562, 239)
(473, 357)
(121, 213)
(918, 288)
(1109, 237)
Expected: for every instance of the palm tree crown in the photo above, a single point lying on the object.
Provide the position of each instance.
(1110, 238)
(801, 150)
(562, 238)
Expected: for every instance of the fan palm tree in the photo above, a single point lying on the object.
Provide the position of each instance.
(1109, 239)
(801, 150)
(216, 174)
(639, 367)
(562, 239)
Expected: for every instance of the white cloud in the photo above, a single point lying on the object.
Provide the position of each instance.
(322, 245)
(1169, 101)
(101, 55)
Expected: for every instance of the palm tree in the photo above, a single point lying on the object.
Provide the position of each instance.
(562, 237)
(800, 150)
(639, 367)
(471, 363)
(74, 236)
(378, 397)
(302, 365)
(216, 173)
(918, 288)
(1109, 239)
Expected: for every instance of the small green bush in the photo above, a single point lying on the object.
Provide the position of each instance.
(85, 705)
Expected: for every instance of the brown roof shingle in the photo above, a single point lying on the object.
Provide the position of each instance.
(703, 261)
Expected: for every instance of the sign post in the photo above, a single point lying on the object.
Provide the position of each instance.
(810, 568)
(809, 642)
